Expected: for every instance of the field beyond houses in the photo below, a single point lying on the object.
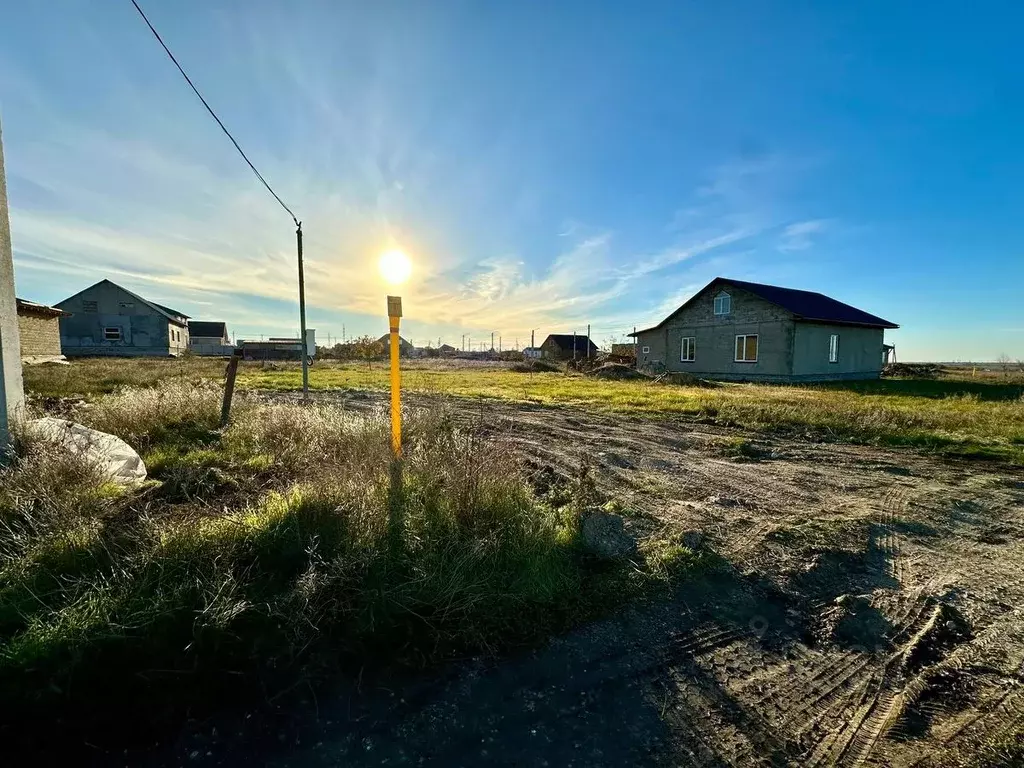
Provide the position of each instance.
(826, 574)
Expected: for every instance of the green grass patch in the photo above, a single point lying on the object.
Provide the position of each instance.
(284, 546)
(955, 416)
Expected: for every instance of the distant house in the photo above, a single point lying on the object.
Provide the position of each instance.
(405, 349)
(279, 348)
(560, 346)
(736, 330)
(446, 349)
(532, 352)
(209, 338)
(39, 328)
(106, 319)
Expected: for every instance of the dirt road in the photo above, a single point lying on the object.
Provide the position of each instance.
(872, 614)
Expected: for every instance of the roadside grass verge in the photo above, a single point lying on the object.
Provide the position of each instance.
(282, 548)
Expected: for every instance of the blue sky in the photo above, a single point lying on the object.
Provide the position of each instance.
(546, 164)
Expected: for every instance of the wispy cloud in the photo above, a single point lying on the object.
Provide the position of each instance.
(800, 236)
(194, 229)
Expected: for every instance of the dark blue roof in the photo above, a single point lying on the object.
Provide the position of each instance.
(808, 306)
(564, 342)
(207, 328)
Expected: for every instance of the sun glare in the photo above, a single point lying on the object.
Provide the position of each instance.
(394, 266)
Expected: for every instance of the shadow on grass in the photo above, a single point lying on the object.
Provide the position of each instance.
(606, 694)
(936, 389)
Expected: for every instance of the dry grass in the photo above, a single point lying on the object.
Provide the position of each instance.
(971, 417)
(961, 413)
(277, 547)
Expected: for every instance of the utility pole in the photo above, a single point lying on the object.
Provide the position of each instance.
(499, 345)
(531, 340)
(342, 333)
(302, 316)
(492, 341)
(574, 346)
(588, 341)
(12, 389)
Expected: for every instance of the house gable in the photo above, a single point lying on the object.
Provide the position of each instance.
(107, 319)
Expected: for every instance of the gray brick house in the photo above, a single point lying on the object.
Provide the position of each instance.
(740, 331)
(107, 319)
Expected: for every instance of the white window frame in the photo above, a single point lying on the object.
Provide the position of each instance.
(723, 304)
(688, 345)
(119, 336)
(645, 350)
(833, 348)
(736, 346)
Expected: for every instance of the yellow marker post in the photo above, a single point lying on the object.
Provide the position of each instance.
(394, 315)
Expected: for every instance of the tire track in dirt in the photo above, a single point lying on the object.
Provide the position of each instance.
(1002, 714)
(887, 539)
(730, 697)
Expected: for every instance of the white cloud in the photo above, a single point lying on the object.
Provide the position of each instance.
(194, 226)
(800, 236)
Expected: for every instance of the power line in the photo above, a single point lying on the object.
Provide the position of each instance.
(298, 224)
(212, 113)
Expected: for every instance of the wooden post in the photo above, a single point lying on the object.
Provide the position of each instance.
(229, 387)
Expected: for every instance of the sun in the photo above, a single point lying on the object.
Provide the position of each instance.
(395, 267)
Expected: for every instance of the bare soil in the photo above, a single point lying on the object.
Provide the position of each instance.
(869, 611)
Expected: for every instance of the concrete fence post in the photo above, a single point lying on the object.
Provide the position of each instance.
(12, 392)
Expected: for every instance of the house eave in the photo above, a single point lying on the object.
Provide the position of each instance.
(848, 324)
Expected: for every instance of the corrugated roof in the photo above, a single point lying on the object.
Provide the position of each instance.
(807, 306)
(24, 305)
(207, 328)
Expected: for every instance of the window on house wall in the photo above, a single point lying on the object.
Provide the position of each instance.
(723, 304)
(833, 348)
(688, 353)
(645, 350)
(746, 348)
(112, 333)
(90, 306)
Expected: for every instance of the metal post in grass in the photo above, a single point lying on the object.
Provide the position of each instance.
(395, 268)
(12, 391)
